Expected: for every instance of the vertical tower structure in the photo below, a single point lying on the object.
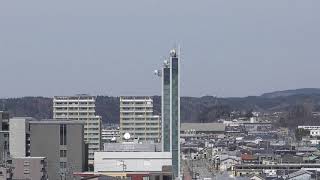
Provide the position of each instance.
(171, 110)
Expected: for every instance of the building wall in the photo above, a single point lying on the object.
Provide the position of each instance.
(131, 161)
(19, 130)
(166, 123)
(45, 142)
(30, 168)
(81, 108)
(175, 115)
(137, 118)
(1, 140)
(5, 134)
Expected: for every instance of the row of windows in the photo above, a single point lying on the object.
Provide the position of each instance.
(136, 113)
(91, 129)
(140, 124)
(74, 108)
(92, 134)
(75, 114)
(148, 134)
(138, 103)
(74, 103)
(140, 119)
(136, 108)
(140, 129)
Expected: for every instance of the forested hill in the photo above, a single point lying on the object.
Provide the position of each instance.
(193, 109)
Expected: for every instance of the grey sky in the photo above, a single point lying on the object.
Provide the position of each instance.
(229, 48)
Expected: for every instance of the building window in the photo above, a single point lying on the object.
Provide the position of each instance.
(145, 178)
(63, 153)
(63, 134)
(63, 165)
(26, 163)
(26, 171)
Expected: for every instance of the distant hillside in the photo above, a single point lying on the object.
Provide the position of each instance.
(193, 109)
(304, 91)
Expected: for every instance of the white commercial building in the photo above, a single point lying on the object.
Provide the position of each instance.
(137, 119)
(82, 108)
(131, 161)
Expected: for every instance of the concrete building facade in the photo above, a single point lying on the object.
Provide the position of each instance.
(138, 119)
(30, 168)
(4, 135)
(62, 143)
(19, 136)
(81, 108)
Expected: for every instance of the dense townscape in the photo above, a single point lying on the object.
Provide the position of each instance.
(146, 144)
(160, 90)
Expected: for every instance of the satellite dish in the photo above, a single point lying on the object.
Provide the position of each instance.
(126, 136)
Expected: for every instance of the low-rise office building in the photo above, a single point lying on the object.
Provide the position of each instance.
(30, 168)
(62, 143)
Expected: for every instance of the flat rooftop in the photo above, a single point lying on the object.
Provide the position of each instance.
(203, 127)
(56, 121)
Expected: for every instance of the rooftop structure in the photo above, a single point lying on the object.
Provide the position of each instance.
(132, 147)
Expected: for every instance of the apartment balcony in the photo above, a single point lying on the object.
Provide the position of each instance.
(136, 105)
(74, 105)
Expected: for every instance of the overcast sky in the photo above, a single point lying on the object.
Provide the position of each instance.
(102, 47)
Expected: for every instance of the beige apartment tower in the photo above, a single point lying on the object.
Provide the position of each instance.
(137, 118)
(81, 108)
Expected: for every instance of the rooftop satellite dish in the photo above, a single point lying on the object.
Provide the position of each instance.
(126, 136)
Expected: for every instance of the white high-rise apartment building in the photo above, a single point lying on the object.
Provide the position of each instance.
(137, 118)
(82, 108)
